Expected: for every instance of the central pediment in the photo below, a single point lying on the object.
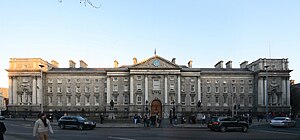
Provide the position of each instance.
(155, 62)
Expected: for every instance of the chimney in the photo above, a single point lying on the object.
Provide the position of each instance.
(244, 65)
(72, 64)
(54, 64)
(134, 61)
(173, 60)
(116, 63)
(229, 65)
(83, 64)
(219, 64)
(190, 64)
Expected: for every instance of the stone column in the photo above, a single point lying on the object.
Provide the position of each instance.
(108, 89)
(146, 88)
(283, 95)
(288, 93)
(199, 89)
(14, 90)
(10, 92)
(260, 92)
(34, 91)
(179, 90)
(166, 89)
(131, 89)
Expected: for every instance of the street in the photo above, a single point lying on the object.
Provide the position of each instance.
(22, 130)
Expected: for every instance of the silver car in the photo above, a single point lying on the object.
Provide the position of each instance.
(282, 122)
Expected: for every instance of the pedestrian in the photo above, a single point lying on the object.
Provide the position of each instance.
(101, 119)
(42, 127)
(2, 130)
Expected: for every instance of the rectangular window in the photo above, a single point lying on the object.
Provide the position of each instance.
(183, 88)
(192, 99)
(234, 89)
(217, 99)
(125, 78)
(172, 87)
(126, 99)
(225, 90)
(59, 90)
(59, 100)
(207, 81)
(172, 78)
(250, 100)
(77, 100)
(96, 90)
(233, 81)
(242, 81)
(225, 99)
(78, 89)
(192, 88)
(125, 87)
(139, 87)
(59, 81)
(139, 78)
(87, 100)
(97, 100)
(208, 89)
(156, 84)
(50, 89)
(250, 81)
(217, 89)
(115, 88)
(183, 99)
(115, 98)
(250, 89)
(242, 101)
(87, 89)
(139, 100)
(242, 89)
(50, 100)
(68, 100)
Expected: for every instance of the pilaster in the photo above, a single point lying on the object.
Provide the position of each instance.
(146, 88)
(166, 89)
(179, 90)
(14, 90)
(131, 89)
(108, 89)
(34, 91)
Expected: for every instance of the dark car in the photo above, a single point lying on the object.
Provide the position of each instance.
(75, 121)
(224, 123)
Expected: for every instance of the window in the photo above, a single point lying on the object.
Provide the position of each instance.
(87, 80)
(50, 100)
(68, 100)
(234, 89)
(115, 79)
(183, 99)
(233, 81)
(250, 81)
(192, 88)
(59, 81)
(250, 89)
(139, 100)
(58, 89)
(207, 81)
(87, 100)
(192, 99)
(87, 89)
(97, 100)
(126, 99)
(59, 100)
(125, 78)
(77, 100)
(125, 87)
(115, 88)
(139, 78)
(217, 99)
(50, 89)
(225, 90)
(139, 87)
(216, 81)
(156, 84)
(183, 88)
(172, 87)
(115, 98)
(78, 89)
(242, 100)
(217, 89)
(225, 99)
(250, 100)
(96, 90)
(242, 89)
(224, 82)
(68, 80)
(208, 89)
(242, 81)
(172, 78)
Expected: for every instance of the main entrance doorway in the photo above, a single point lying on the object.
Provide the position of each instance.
(156, 107)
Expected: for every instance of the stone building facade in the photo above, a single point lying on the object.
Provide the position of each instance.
(156, 85)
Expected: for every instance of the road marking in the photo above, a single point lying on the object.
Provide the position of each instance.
(278, 132)
(119, 138)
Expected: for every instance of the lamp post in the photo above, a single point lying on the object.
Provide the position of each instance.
(42, 101)
(146, 107)
(267, 102)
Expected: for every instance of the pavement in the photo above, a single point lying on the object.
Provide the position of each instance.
(129, 124)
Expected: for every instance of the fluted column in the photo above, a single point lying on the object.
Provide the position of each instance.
(14, 90)
(34, 91)
(146, 88)
(108, 89)
(179, 90)
(10, 92)
(131, 89)
(166, 89)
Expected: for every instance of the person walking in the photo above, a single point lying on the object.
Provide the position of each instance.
(42, 127)
(2, 130)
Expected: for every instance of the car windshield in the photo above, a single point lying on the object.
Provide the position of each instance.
(81, 119)
(279, 119)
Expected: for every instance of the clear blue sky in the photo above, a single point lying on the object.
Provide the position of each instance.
(203, 31)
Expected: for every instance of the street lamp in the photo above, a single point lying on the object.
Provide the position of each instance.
(41, 105)
(267, 102)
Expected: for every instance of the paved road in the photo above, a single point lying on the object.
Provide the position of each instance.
(22, 130)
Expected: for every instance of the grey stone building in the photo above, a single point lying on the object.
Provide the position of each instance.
(155, 85)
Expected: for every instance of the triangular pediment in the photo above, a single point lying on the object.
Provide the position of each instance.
(156, 62)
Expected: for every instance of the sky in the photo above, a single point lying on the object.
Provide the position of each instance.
(204, 31)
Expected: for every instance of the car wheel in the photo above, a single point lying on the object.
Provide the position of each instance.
(62, 126)
(80, 126)
(223, 129)
(244, 129)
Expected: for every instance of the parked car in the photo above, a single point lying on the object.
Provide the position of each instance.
(282, 122)
(2, 118)
(76, 121)
(224, 123)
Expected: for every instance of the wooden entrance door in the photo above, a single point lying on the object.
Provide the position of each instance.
(156, 107)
